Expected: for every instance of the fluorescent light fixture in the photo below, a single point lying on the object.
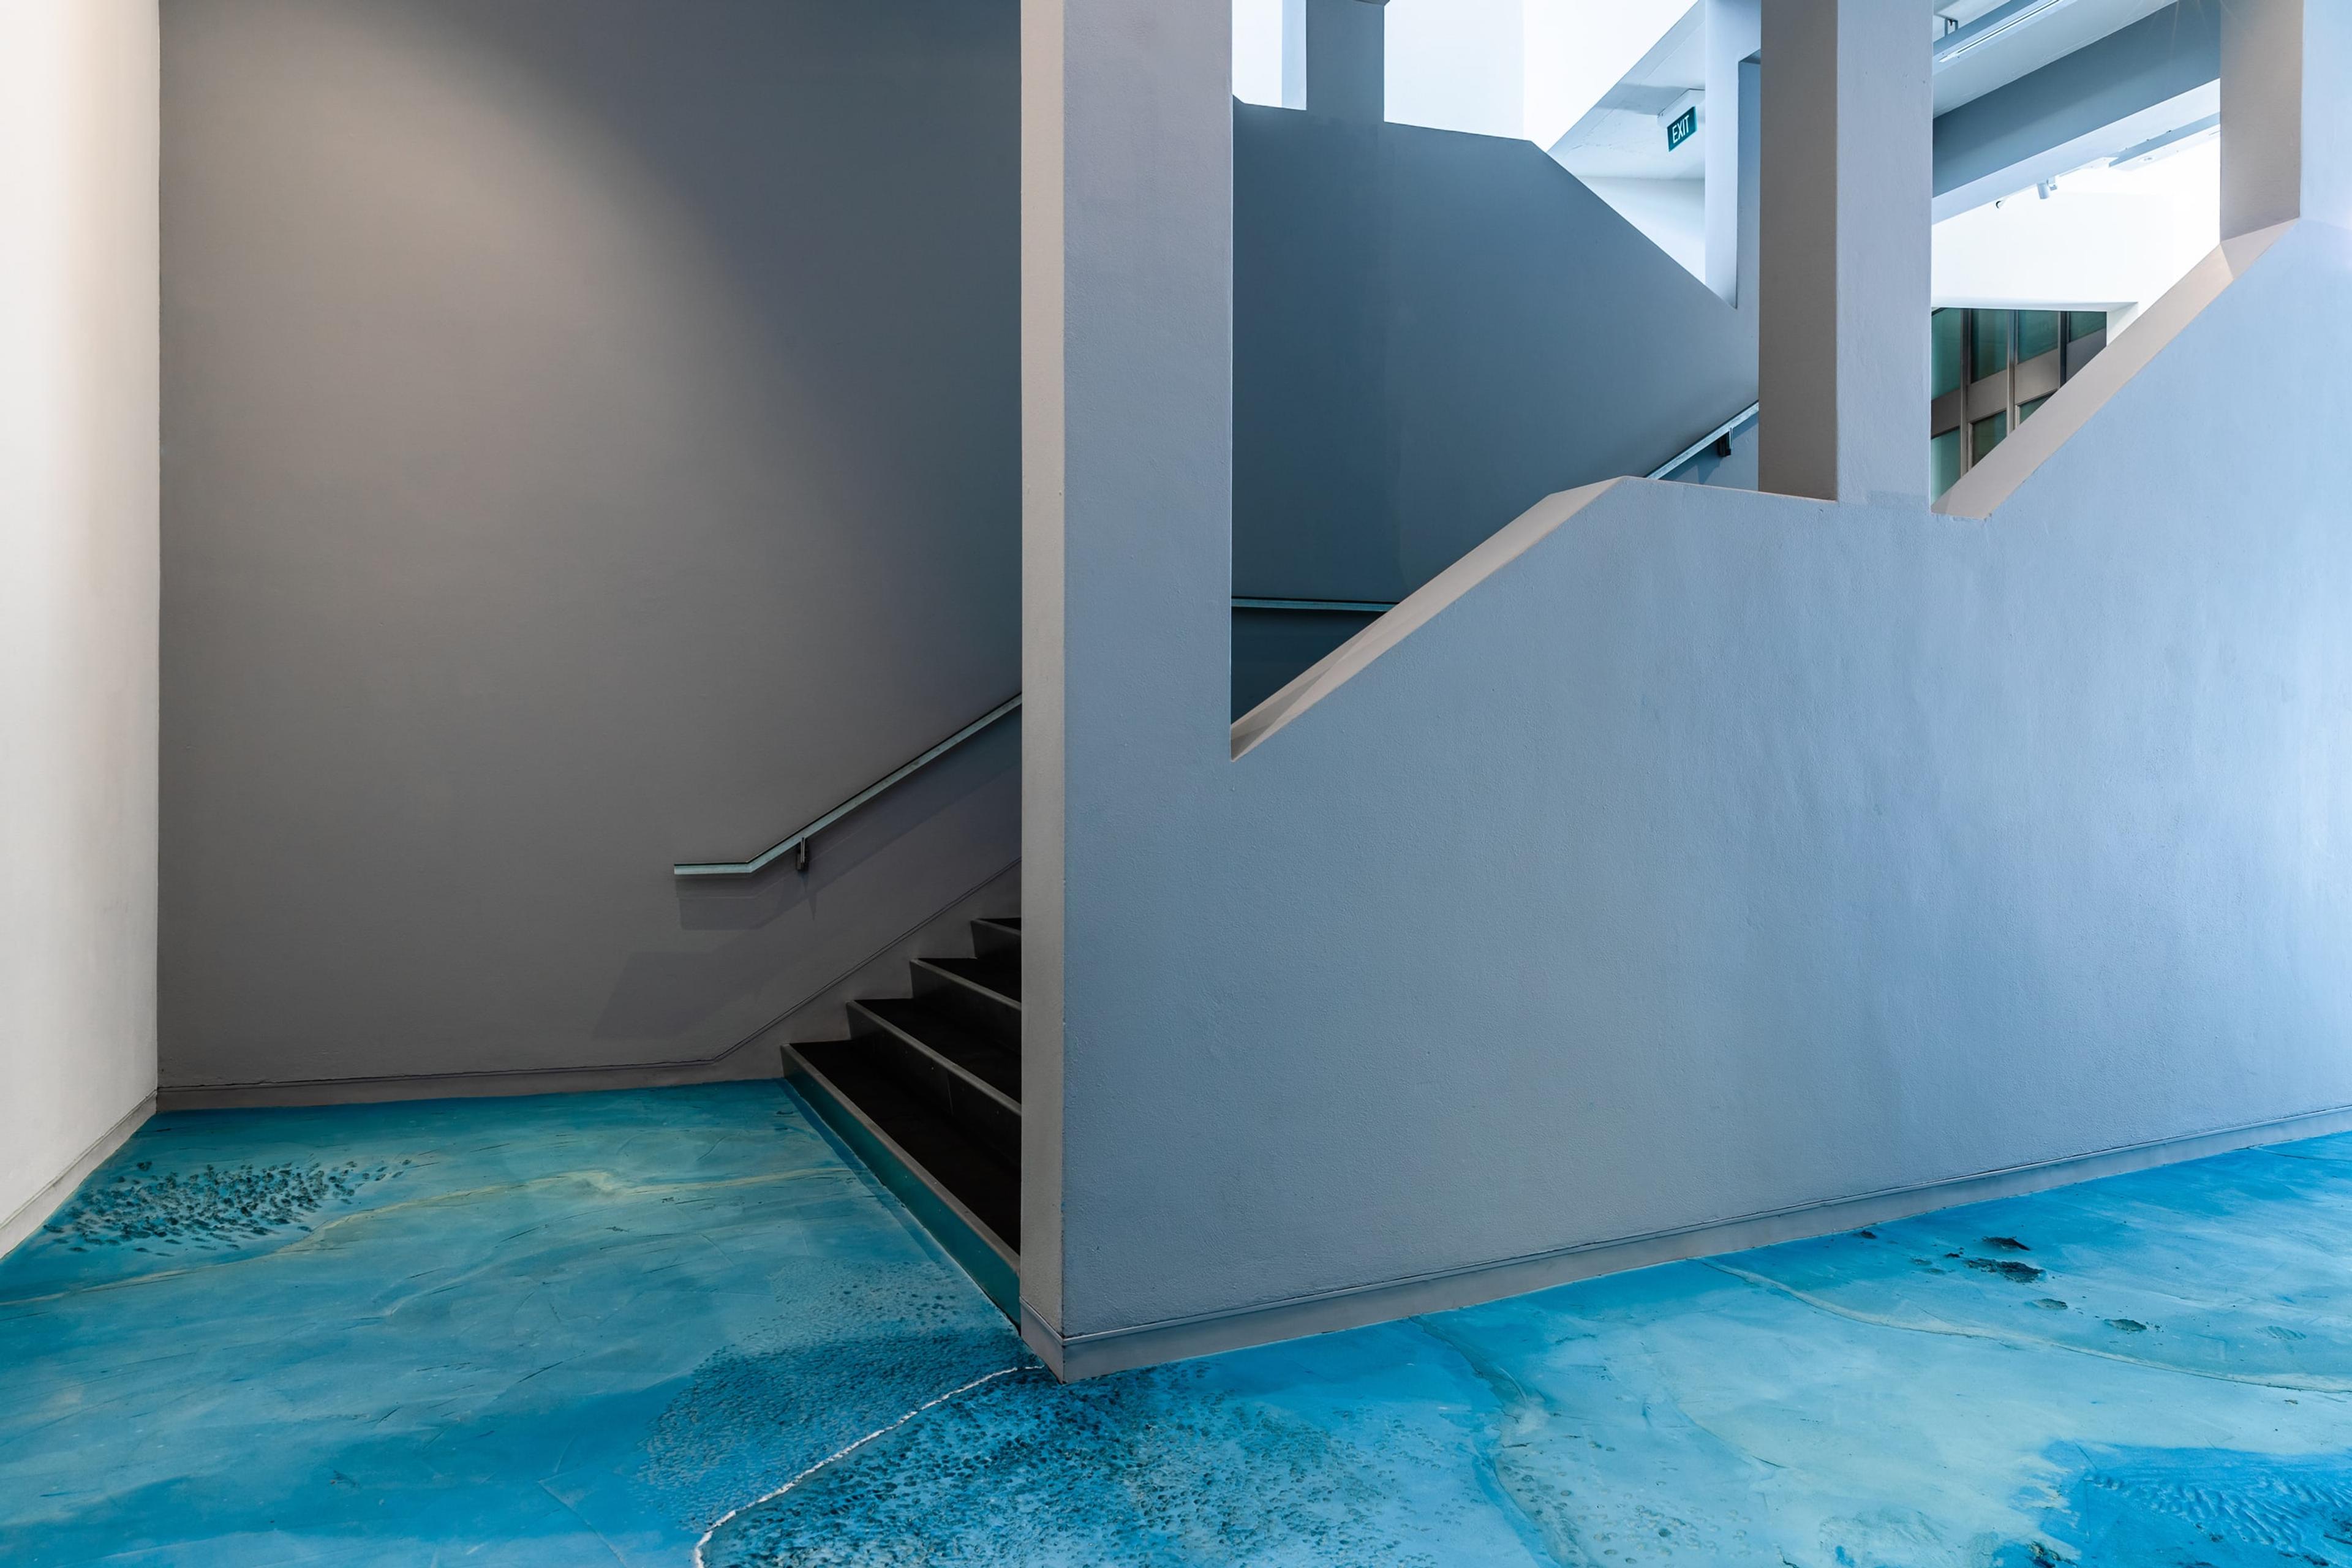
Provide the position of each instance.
(1997, 23)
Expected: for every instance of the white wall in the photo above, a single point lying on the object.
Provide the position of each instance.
(1458, 65)
(78, 585)
(1578, 50)
(2105, 236)
(1259, 44)
(1498, 68)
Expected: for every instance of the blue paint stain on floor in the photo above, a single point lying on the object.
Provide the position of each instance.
(631, 1328)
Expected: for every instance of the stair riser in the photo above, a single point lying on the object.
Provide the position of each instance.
(978, 1113)
(944, 1038)
(994, 1270)
(990, 941)
(990, 1017)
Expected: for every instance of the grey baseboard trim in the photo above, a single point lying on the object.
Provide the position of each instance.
(755, 1057)
(34, 1211)
(1086, 1355)
(737, 1066)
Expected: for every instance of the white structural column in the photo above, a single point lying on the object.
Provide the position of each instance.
(79, 492)
(1127, 565)
(2286, 114)
(1734, 33)
(1848, 132)
(1346, 57)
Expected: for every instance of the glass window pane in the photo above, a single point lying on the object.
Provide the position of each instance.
(1990, 340)
(1984, 435)
(1944, 461)
(1947, 352)
(2081, 324)
(2025, 410)
(2037, 333)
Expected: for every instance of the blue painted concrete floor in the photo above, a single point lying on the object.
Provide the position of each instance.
(637, 1327)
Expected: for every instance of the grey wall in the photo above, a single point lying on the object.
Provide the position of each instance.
(1847, 136)
(1685, 854)
(78, 567)
(590, 444)
(1432, 331)
(1709, 854)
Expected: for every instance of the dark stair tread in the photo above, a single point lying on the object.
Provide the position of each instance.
(1002, 976)
(997, 940)
(985, 1060)
(989, 1187)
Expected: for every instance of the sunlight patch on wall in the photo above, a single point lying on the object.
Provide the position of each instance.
(2118, 236)
(1261, 51)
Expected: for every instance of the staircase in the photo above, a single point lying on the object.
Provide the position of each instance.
(928, 1091)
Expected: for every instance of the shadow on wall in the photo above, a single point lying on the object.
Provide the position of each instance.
(1434, 331)
(665, 993)
(591, 442)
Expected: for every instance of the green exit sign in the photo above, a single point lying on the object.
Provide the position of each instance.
(1685, 127)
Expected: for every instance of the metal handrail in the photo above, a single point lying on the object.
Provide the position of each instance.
(800, 841)
(1728, 428)
(1329, 607)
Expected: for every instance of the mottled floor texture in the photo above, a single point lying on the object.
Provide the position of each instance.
(634, 1327)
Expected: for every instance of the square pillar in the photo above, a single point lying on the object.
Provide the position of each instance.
(1346, 58)
(2286, 114)
(1734, 34)
(1848, 158)
(1127, 571)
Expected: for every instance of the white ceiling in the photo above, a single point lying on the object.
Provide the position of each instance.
(1622, 138)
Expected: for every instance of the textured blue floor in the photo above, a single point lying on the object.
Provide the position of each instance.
(586, 1330)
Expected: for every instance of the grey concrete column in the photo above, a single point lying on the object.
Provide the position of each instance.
(1733, 32)
(2286, 114)
(1848, 134)
(1346, 58)
(1127, 556)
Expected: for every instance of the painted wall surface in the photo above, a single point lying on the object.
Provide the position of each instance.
(1460, 65)
(77, 582)
(591, 445)
(1415, 331)
(1421, 351)
(1687, 854)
